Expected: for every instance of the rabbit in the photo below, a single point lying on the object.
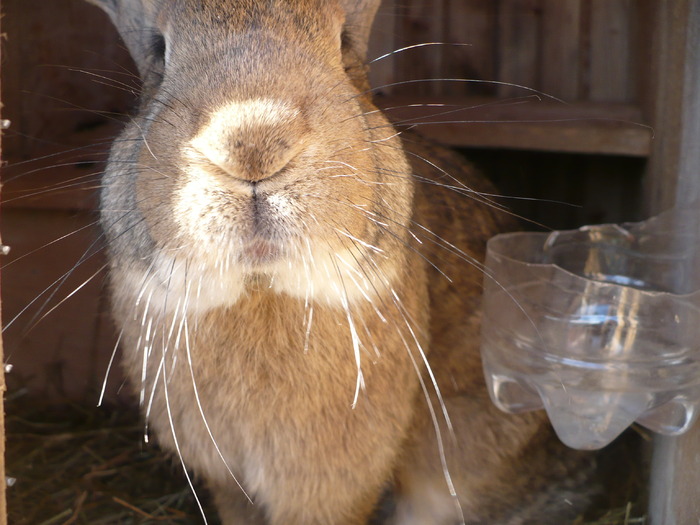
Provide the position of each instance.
(297, 285)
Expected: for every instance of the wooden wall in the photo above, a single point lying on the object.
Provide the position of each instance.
(568, 75)
(576, 50)
(63, 114)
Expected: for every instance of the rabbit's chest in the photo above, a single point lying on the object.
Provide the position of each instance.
(266, 384)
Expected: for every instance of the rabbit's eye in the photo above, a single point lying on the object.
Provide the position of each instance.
(345, 42)
(157, 50)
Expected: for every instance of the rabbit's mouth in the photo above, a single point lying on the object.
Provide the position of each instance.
(259, 251)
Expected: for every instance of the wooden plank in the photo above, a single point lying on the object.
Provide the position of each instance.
(675, 475)
(518, 29)
(54, 94)
(545, 126)
(559, 62)
(60, 178)
(612, 73)
(64, 72)
(469, 33)
(605, 139)
(59, 353)
(383, 40)
(450, 24)
(3, 388)
(662, 97)
(421, 22)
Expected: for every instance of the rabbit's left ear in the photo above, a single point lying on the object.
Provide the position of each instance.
(359, 15)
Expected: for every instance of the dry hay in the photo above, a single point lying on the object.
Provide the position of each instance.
(72, 464)
(75, 465)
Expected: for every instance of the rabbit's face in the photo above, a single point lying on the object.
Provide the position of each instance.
(255, 155)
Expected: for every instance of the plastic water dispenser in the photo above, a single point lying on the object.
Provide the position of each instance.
(599, 326)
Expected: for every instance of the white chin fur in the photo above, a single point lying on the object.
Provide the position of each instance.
(335, 278)
(172, 284)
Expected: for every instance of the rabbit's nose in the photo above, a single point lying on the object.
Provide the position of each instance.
(253, 140)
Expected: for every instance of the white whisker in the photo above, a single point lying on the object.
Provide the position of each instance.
(415, 46)
(201, 410)
(360, 383)
(178, 450)
(109, 368)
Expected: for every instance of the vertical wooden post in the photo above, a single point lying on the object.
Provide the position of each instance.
(3, 504)
(662, 96)
(675, 475)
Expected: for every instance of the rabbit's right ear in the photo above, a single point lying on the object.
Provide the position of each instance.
(135, 21)
(109, 6)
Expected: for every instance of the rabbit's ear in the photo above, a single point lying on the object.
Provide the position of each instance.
(135, 21)
(109, 6)
(359, 15)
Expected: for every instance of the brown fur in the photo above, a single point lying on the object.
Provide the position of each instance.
(266, 233)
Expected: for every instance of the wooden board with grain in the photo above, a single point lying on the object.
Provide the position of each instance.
(3, 388)
(525, 123)
(576, 50)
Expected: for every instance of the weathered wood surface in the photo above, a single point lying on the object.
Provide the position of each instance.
(58, 60)
(577, 50)
(590, 54)
(524, 123)
(675, 476)
(3, 479)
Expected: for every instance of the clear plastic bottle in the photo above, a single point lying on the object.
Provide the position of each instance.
(599, 326)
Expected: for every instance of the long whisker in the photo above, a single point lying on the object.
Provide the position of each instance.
(199, 402)
(464, 81)
(171, 421)
(178, 450)
(355, 338)
(408, 322)
(71, 294)
(415, 46)
(109, 368)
